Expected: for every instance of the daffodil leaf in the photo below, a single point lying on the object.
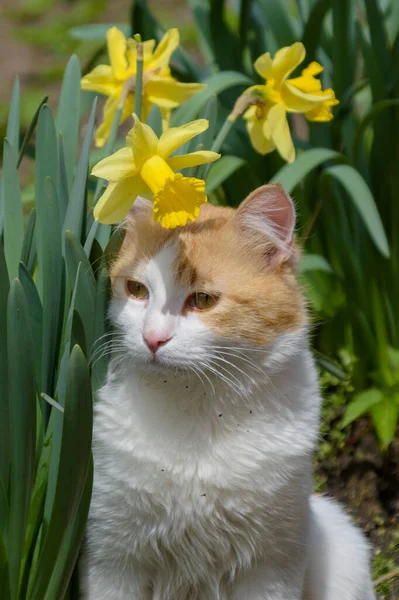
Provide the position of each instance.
(216, 84)
(97, 31)
(221, 170)
(313, 29)
(359, 192)
(292, 174)
(154, 120)
(68, 116)
(13, 118)
(284, 29)
(314, 262)
(13, 215)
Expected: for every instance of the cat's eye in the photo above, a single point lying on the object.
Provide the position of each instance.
(202, 301)
(136, 289)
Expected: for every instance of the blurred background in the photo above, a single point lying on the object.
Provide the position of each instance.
(345, 183)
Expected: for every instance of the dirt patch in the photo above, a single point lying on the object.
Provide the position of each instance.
(366, 480)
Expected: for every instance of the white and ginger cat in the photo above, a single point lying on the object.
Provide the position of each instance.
(205, 429)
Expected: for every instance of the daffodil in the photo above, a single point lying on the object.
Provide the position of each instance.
(146, 168)
(267, 119)
(159, 87)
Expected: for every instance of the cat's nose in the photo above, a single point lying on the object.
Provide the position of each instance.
(155, 340)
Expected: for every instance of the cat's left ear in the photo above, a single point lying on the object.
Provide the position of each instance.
(269, 212)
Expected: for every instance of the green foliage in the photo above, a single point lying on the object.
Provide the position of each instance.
(48, 288)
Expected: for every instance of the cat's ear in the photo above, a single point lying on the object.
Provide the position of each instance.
(270, 213)
(141, 208)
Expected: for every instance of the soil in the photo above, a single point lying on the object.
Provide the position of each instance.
(367, 481)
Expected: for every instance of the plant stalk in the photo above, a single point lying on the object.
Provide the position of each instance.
(139, 76)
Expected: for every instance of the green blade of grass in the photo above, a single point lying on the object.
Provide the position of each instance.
(51, 266)
(13, 215)
(221, 170)
(28, 253)
(72, 471)
(4, 408)
(77, 208)
(22, 394)
(4, 573)
(30, 131)
(72, 542)
(359, 192)
(68, 115)
(291, 174)
(36, 317)
(216, 84)
(85, 298)
(13, 117)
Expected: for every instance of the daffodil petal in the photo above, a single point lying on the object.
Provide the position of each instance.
(143, 141)
(297, 101)
(103, 131)
(280, 132)
(116, 43)
(259, 132)
(263, 65)
(161, 57)
(179, 201)
(175, 137)
(285, 61)
(100, 80)
(117, 200)
(169, 93)
(322, 112)
(194, 159)
(117, 166)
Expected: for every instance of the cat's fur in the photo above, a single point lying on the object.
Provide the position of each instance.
(203, 454)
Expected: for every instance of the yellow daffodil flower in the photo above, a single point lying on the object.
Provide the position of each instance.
(267, 119)
(146, 168)
(159, 87)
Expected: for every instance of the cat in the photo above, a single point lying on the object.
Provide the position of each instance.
(205, 428)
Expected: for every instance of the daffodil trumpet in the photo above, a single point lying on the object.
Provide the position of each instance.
(146, 167)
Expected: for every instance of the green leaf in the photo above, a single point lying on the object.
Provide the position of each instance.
(221, 170)
(367, 121)
(28, 253)
(22, 395)
(314, 262)
(154, 120)
(97, 31)
(314, 28)
(379, 39)
(13, 117)
(30, 131)
(86, 292)
(344, 46)
(51, 268)
(360, 194)
(68, 116)
(77, 207)
(4, 410)
(46, 162)
(36, 317)
(64, 186)
(13, 215)
(385, 419)
(361, 404)
(291, 174)
(330, 366)
(216, 84)
(4, 577)
(72, 542)
(35, 514)
(282, 26)
(76, 451)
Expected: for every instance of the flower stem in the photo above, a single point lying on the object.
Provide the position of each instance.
(241, 105)
(139, 76)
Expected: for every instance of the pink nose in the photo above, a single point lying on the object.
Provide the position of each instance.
(155, 340)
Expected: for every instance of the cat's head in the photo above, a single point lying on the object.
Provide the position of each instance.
(227, 281)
